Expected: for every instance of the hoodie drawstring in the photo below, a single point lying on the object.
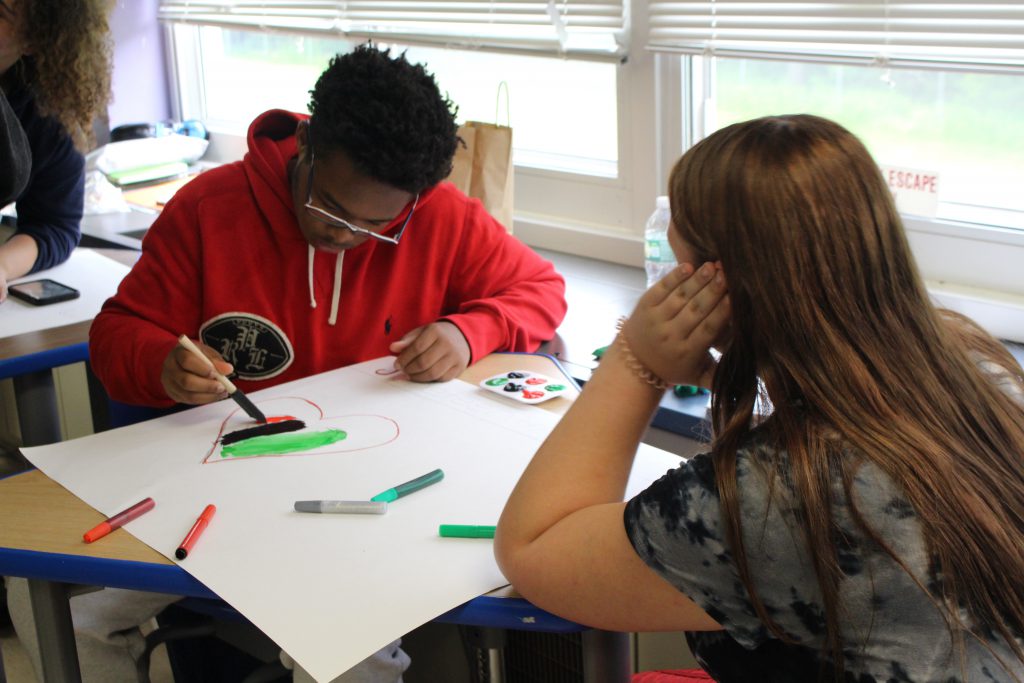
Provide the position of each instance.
(336, 293)
(312, 297)
(337, 288)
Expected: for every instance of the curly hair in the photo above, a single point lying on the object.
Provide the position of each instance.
(69, 68)
(387, 115)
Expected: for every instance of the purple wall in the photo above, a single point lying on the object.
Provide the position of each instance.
(140, 89)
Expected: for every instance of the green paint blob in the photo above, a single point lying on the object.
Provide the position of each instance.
(497, 381)
(279, 444)
(555, 387)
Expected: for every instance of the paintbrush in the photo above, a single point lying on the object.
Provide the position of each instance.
(234, 392)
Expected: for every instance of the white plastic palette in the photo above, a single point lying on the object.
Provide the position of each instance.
(525, 386)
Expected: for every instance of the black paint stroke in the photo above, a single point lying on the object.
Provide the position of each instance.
(262, 430)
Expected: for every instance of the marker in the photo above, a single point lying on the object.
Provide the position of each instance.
(118, 520)
(354, 507)
(409, 487)
(195, 532)
(234, 392)
(465, 531)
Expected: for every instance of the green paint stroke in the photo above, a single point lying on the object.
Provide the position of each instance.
(279, 444)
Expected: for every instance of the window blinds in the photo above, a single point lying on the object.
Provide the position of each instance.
(919, 33)
(584, 28)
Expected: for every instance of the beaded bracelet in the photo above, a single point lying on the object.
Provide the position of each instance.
(633, 363)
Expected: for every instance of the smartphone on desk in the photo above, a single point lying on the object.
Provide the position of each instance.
(42, 292)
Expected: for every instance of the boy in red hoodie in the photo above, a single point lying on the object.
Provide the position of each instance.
(334, 241)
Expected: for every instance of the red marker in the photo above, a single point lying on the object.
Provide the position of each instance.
(195, 532)
(118, 520)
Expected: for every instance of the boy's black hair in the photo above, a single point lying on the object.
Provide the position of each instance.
(387, 115)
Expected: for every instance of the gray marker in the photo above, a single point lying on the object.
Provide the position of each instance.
(352, 507)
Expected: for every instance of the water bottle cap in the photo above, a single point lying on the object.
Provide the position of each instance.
(661, 202)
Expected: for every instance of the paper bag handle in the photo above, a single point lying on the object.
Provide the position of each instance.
(497, 103)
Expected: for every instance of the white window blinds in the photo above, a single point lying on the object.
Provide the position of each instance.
(918, 33)
(583, 28)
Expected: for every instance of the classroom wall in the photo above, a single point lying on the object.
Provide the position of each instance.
(140, 89)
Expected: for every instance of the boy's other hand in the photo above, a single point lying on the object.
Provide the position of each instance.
(187, 379)
(433, 353)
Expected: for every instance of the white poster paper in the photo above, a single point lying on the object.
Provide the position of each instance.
(329, 589)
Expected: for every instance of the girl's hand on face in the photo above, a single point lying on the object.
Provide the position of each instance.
(676, 322)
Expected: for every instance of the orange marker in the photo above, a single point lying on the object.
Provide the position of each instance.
(118, 520)
(195, 532)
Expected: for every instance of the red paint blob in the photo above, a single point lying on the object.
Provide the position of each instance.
(532, 394)
(536, 380)
(279, 418)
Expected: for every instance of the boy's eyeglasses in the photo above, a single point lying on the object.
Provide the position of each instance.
(336, 221)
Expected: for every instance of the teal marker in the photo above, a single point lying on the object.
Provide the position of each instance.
(409, 487)
(465, 531)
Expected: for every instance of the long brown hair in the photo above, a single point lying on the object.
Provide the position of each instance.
(830, 313)
(69, 67)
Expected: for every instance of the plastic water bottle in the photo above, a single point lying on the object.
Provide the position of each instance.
(658, 256)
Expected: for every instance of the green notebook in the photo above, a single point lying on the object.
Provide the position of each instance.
(148, 174)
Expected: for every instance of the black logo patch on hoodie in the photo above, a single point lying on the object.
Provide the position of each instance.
(256, 347)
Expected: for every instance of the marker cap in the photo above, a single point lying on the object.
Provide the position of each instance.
(466, 531)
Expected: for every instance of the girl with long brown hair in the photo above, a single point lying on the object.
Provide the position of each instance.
(870, 526)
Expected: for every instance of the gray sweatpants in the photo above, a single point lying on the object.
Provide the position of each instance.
(109, 640)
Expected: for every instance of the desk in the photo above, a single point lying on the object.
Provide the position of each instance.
(41, 540)
(29, 354)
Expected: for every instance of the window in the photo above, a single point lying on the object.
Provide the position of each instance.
(926, 85)
(571, 108)
(963, 125)
(245, 73)
(606, 94)
(563, 111)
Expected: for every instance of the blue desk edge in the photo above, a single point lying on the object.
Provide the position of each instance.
(100, 571)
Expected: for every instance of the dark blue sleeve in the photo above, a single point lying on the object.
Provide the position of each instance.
(50, 207)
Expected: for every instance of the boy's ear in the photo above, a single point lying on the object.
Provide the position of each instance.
(302, 137)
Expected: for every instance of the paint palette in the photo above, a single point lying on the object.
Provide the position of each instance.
(525, 386)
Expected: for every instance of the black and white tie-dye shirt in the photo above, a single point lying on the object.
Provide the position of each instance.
(891, 629)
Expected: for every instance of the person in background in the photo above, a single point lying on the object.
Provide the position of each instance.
(870, 527)
(15, 155)
(334, 241)
(55, 76)
(54, 79)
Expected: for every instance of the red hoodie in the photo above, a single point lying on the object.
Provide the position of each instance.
(225, 262)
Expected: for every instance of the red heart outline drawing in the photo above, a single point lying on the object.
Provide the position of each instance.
(370, 431)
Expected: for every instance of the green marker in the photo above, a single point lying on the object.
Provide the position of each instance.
(465, 531)
(409, 487)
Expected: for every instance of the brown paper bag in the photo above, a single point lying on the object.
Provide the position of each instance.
(483, 168)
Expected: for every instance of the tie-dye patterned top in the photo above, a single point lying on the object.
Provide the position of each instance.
(891, 630)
